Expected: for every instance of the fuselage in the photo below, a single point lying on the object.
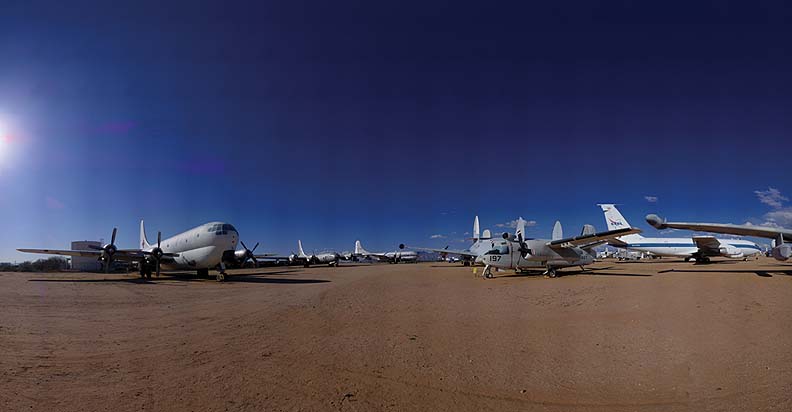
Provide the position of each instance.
(406, 256)
(327, 257)
(684, 247)
(201, 247)
(506, 254)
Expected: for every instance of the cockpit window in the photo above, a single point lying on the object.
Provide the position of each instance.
(502, 249)
(228, 228)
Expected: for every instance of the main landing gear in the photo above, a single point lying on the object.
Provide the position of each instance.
(487, 273)
(145, 273)
(221, 274)
(550, 272)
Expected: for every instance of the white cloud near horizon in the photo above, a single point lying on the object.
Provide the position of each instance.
(771, 197)
(512, 224)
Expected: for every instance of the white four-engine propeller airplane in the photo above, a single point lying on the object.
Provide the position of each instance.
(208, 246)
(329, 258)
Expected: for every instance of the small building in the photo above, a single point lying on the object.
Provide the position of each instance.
(85, 264)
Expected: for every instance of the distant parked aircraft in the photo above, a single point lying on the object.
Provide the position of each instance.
(481, 244)
(330, 258)
(782, 250)
(700, 248)
(390, 257)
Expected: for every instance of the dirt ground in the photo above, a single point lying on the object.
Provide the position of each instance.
(641, 336)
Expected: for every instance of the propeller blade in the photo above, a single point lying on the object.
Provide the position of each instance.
(107, 266)
(254, 247)
(112, 238)
(158, 267)
(243, 245)
(159, 238)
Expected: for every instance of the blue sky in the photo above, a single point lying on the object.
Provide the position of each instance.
(336, 121)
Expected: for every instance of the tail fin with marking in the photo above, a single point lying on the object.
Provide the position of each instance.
(615, 220)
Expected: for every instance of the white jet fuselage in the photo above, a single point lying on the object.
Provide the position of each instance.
(684, 247)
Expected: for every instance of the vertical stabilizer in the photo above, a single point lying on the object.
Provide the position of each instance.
(558, 231)
(359, 248)
(588, 230)
(300, 251)
(144, 244)
(476, 228)
(615, 220)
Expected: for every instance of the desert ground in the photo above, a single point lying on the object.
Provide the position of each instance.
(637, 336)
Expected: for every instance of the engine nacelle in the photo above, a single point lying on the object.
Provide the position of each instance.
(782, 252)
(730, 251)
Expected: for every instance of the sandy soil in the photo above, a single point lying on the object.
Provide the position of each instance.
(626, 336)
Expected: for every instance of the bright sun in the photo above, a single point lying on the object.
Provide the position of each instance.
(3, 142)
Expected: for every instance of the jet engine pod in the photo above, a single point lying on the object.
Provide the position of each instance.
(782, 252)
(401, 246)
(656, 221)
(506, 235)
(730, 251)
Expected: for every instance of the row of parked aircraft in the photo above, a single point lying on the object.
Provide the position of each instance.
(520, 253)
(210, 246)
(214, 245)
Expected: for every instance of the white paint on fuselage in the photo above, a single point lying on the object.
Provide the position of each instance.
(683, 247)
(198, 248)
(408, 256)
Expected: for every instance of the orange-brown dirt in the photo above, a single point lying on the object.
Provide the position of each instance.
(624, 336)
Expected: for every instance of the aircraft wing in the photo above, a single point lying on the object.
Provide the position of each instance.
(126, 255)
(707, 244)
(84, 253)
(447, 251)
(590, 239)
(379, 256)
(742, 230)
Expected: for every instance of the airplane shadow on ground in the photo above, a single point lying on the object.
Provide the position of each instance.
(655, 261)
(757, 272)
(189, 277)
(588, 272)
